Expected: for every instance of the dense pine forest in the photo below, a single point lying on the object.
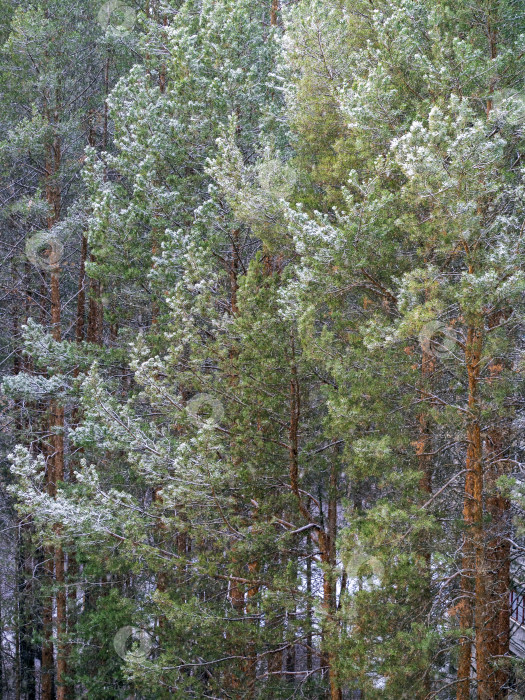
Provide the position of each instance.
(261, 349)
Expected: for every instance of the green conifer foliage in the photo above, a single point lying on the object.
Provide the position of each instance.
(262, 422)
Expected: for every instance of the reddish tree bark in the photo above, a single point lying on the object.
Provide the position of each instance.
(473, 565)
(273, 12)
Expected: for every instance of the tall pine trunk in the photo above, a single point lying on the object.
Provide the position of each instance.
(56, 472)
(473, 603)
(498, 545)
(273, 12)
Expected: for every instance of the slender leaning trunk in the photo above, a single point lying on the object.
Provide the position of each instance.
(57, 412)
(56, 472)
(47, 663)
(425, 462)
(327, 541)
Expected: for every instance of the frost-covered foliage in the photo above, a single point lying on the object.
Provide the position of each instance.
(266, 412)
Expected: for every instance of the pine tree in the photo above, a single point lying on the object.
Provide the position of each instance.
(433, 212)
(46, 111)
